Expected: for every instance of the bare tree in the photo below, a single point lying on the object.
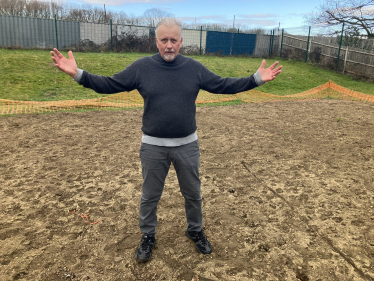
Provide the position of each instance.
(256, 30)
(40, 9)
(121, 18)
(354, 13)
(30, 8)
(12, 7)
(89, 13)
(151, 17)
(133, 20)
(73, 12)
(226, 28)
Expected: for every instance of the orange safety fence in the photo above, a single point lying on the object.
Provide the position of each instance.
(133, 99)
(327, 90)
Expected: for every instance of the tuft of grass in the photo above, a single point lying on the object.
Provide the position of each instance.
(232, 102)
(31, 75)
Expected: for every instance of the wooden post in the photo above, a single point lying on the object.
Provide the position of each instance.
(340, 47)
(307, 47)
(345, 59)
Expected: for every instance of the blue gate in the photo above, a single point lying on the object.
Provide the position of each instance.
(226, 43)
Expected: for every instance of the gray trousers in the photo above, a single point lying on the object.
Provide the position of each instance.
(156, 162)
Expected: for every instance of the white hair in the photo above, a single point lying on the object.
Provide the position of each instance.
(169, 22)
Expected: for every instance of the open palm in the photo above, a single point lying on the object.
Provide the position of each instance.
(69, 66)
(269, 74)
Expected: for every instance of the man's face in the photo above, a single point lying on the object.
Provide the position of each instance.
(168, 41)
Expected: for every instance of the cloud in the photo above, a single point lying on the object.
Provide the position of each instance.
(297, 15)
(256, 22)
(263, 20)
(266, 20)
(204, 19)
(368, 10)
(355, 11)
(123, 2)
(258, 16)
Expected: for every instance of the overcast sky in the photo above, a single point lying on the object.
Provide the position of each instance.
(253, 13)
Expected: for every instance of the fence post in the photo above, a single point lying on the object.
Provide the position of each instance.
(345, 59)
(56, 31)
(307, 46)
(270, 42)
(281, 43)
(237, 44)
(201, 37)
(111, 36)
(340, 47)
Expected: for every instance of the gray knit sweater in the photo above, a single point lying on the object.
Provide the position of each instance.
(169, 90)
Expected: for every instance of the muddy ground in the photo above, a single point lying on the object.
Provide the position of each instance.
(288, 194)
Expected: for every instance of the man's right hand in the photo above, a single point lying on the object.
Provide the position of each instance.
(69, 66)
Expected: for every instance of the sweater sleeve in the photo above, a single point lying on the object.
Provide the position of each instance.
(119, 82)
(78, 77)
(215, 84)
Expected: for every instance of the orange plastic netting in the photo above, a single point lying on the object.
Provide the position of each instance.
(133, 99)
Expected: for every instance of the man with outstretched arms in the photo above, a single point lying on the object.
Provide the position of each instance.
(169, 84)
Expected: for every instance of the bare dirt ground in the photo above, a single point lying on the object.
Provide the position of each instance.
(288, 194)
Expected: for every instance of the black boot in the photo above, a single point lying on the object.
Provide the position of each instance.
(201, 242)
(144, 252)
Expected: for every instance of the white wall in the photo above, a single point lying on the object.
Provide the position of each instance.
(136, 30)
(192, 38)
(97, 33)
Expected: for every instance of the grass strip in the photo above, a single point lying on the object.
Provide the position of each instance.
(31, 75)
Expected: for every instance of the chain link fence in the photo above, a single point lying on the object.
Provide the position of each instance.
(334, 49)
(23, 32)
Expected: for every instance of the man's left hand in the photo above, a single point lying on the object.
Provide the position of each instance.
(268, 74)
